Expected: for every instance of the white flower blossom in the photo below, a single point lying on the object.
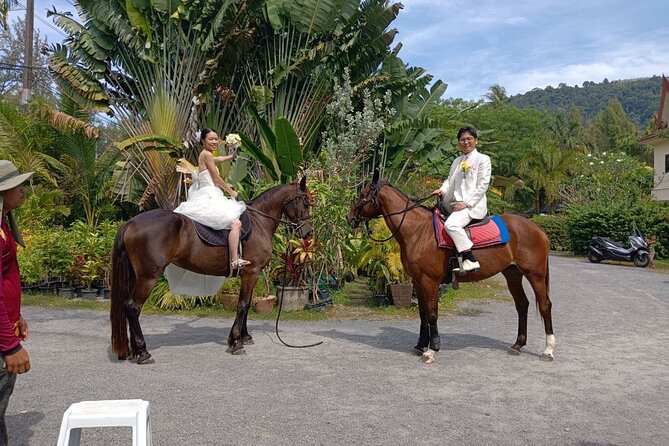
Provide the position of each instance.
(233, 140)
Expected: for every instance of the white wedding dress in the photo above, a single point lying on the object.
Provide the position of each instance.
(208, 205)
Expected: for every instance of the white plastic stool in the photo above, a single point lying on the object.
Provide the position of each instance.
(134, 413)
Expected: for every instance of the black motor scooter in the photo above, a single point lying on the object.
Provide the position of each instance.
(603, 248)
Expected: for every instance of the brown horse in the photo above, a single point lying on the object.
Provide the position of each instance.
(525, 255)
(149, 242)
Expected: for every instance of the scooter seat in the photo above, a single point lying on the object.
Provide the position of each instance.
(612, 242)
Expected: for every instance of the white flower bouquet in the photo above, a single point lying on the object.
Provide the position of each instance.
(233, 140)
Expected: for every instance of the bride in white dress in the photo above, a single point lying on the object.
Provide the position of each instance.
(208, 205)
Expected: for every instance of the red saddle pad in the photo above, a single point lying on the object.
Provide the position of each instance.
(485, 234)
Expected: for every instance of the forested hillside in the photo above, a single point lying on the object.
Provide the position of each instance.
(640, 98)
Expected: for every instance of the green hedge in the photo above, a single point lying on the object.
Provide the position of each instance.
(555, 227)
(617, 221)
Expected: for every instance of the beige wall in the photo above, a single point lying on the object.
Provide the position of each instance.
(661, 189)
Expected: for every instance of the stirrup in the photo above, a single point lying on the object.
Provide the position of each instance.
(239, 264)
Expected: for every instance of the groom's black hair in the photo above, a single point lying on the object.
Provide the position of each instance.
(469, 130)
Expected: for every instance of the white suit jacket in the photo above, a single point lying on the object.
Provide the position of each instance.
(470, 186)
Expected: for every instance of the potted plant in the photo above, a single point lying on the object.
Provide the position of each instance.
(265, 302)
(89, 257)
(292, 274)
(383, 265)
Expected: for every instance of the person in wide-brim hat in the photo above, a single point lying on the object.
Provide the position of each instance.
(10, 177)
(14, 359)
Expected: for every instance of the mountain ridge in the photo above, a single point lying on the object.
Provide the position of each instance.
(640, 98)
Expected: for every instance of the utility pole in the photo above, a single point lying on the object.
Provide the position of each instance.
(28, 54)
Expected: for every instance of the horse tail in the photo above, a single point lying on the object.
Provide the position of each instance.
(122, 285)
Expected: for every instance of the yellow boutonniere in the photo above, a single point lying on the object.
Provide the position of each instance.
(465, 167)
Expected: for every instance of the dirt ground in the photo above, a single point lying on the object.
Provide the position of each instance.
(607, 386)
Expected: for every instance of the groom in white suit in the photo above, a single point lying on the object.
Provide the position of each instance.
(465, 192)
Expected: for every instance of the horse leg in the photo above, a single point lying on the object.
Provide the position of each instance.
(247, 339)
(429, 340)
(133, 309)
(539, 284)
(514, 281)
(423, 334)
(238, 330)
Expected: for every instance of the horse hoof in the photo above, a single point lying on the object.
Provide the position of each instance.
(248, 340)
(124, 357)
(513, 351)
(546, 358)
(145, 359)
(418, 350)
(237, 348)
(428, 357)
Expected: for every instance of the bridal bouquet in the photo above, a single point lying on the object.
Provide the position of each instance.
(233, 140)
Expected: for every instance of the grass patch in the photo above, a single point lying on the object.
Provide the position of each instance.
(352, 302)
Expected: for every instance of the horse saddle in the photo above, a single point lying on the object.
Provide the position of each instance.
(219, 237)
(488, 231)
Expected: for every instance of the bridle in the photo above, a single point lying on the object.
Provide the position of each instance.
(293, 224)
(373, 199)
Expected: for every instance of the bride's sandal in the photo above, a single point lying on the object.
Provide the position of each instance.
(239, 264)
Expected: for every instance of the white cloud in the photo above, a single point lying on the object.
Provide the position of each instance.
(528, 44)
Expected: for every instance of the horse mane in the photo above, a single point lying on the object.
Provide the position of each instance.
(265, 196)
(413, 200)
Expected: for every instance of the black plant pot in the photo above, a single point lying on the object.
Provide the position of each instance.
(67, 292)
(89, 293)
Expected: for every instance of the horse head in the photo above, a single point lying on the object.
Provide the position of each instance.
(367, 206)
(296, 209)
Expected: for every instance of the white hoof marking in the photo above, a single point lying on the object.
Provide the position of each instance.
(550, 345)
(429, 356)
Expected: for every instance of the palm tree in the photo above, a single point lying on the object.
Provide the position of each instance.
(497, 95)
(142, 62)
(5, 5)
(545, 169)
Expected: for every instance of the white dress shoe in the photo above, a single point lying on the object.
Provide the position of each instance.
(468, 265)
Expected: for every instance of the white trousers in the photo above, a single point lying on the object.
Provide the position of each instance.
(454, 225)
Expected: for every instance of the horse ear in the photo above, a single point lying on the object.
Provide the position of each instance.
(375, 178)
(303, 183)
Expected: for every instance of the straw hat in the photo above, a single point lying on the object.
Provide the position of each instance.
(9, 179)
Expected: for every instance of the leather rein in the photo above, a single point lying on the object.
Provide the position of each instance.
(373, 198)
(294, 225)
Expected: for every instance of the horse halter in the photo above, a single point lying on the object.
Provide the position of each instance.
(297, 222)
(373, 199)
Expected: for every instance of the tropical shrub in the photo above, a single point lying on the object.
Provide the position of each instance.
(381, 262)
(617, 221)
(555, 227)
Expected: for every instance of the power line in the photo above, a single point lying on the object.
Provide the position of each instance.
(58, 30)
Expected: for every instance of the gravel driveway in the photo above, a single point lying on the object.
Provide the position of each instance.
(608, 385)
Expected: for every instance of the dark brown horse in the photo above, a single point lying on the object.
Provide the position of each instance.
(525, 255)
(149, 242)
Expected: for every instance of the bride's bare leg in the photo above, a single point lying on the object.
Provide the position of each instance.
(233, 240)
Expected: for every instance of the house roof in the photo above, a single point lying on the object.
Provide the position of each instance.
(663, 113)
(662, 118)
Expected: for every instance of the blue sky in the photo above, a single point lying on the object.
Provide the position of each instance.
(519, 44)
(525, 44)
